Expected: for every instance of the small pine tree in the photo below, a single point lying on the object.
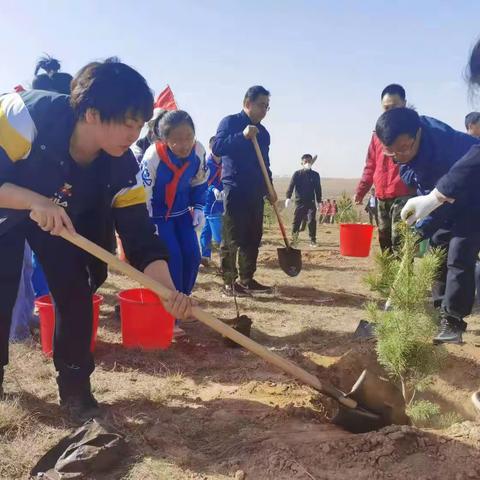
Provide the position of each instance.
(346, 211)
(268, 215)
(404, 332)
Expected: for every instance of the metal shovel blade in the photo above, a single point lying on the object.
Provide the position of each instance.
(381, 397)
(358, 420)
(290, 260)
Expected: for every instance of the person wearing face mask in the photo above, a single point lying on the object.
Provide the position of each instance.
(426, 149)
(244, 192)
(379, 171)
(308, 194)
(175, 175)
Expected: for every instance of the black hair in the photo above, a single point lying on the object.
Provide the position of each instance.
(472, 117)
(396, 122)
(170, 120)
(306, 155)
(393, 89)
(254, 92)
(473, 68)
(114, 89)
(53, 80)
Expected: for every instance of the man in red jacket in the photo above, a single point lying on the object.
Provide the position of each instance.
(380, 171)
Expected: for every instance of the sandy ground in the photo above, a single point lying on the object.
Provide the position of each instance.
(201, 410)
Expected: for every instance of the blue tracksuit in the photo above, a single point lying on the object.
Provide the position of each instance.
(452, 227)
(174, 222)
(213, 208)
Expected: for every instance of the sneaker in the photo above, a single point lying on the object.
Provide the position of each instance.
(313, 243)
(448, 333)
(240, 291)
(205, 262)
(78, 401)
(178, 332)
(255, 287)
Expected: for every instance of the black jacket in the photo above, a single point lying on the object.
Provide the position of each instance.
(306, 184)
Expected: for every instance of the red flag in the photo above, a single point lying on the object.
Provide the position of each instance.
(166, 100)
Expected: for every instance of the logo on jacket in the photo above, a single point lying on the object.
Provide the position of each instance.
(61, 196)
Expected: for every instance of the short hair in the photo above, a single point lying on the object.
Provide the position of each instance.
(114, 89)
(172, 119)
(254, 92)
(306, 156)
(393, 89)
(473, 68)
(53, 80)
(472, 117)
(396, 122)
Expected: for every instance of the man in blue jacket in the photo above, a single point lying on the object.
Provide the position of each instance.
(213, 209)
(244, 191)
(426, 149)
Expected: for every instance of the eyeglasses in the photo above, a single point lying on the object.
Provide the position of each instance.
(404, 151)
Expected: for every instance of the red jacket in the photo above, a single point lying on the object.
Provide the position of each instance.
(382, 173)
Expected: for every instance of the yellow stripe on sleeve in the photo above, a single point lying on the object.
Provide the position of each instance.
(130, 196)
(17, 130)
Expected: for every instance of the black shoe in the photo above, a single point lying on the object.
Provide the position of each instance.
(254, 287)
(77, 400)
(240, 291)
(448, 332)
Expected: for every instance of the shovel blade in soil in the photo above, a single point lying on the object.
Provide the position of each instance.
(365, 330)
(290, 260)
(381, 397)
(242, 324)
(358, 420)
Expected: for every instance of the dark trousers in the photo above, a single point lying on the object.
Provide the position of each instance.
(372, 215)
(388, 215)
(309, 213)
(454, 290)
(67, 274)
(242, 233)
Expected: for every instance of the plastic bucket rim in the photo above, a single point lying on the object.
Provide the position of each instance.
(97, 298)
(136, 302)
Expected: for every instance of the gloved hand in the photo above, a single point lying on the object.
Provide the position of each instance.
(287, 202)
(218, 194)
(198, 217)
(420, 207)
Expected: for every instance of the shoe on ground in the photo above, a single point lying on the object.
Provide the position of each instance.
(78, 401)
(253, 286)
(238, 289)
(313, 244)
(206, 262)
(448, 333)
(178, 332)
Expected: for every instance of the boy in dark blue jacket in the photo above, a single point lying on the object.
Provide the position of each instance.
(213, 207)
(65, 163)
(426, 149)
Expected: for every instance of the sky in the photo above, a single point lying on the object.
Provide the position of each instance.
(324, 62)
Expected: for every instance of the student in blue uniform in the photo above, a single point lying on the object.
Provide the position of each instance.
(426, 149)
(65, 163)
(175, 174)
(213, 207)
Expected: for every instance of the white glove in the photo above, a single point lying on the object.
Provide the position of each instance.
(218, 194)
(198, 217)
(287, 202)
(418, 208)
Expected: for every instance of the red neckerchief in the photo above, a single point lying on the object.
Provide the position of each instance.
(171, 188)
(218, 173)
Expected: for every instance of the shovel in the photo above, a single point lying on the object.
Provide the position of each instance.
(372, 402)
(290, 259)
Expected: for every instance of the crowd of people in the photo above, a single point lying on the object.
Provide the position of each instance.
(72, 157)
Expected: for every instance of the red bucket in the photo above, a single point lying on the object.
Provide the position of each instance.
(355, 239)
(145, 322)
(46, 312)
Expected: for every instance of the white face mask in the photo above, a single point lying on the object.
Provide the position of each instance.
(307, 166)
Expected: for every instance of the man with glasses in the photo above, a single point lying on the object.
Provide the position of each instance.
(425, 149)
(244, 191)
(391, 191)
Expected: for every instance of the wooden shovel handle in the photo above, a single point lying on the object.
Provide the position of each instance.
(271, 190)
(220, 327)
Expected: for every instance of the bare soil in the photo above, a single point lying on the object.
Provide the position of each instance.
(201, 410)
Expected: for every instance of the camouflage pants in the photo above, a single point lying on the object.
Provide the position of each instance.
(388, 216)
